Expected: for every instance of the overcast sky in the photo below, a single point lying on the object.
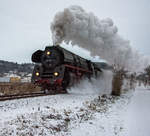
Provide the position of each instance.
(25, 24)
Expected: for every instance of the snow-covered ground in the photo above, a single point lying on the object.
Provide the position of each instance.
(137, 115)
(79, 113)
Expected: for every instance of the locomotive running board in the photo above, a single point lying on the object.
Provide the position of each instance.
(77, 68)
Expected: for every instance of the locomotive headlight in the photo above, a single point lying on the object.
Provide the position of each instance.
(56, 73)
(48, 52)
(37, 73)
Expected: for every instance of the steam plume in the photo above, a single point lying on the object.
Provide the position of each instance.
(100, 37)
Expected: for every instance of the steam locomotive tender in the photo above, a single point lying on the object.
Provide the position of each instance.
(57, 68)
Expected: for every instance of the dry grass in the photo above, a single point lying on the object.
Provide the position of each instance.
(18, 88)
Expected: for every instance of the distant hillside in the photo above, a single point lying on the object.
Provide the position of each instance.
(6, 67)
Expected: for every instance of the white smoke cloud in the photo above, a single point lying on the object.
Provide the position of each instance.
(100, 37)
(102, 85)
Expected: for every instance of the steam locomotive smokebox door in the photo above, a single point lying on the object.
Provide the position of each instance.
(51, 57)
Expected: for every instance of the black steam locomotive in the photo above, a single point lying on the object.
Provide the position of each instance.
(57, 68)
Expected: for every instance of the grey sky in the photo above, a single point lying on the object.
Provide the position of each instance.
(25, 24)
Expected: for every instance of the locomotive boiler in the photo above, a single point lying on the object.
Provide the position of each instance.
(57, 68)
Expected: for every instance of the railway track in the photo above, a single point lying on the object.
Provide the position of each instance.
(20, 96)
(12, 91)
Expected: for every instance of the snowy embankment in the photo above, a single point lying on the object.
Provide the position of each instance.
(137, 114)
(77, 114)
